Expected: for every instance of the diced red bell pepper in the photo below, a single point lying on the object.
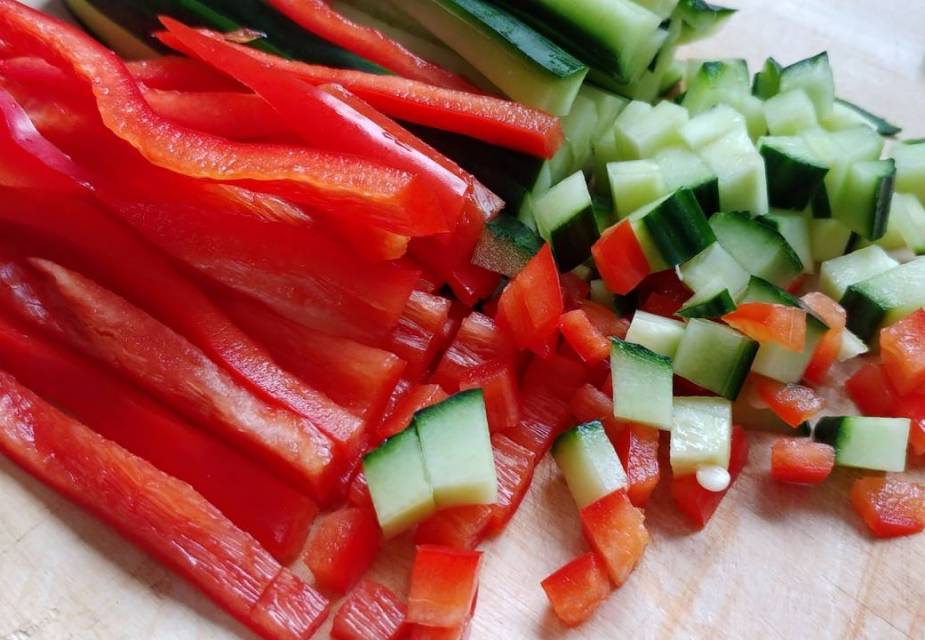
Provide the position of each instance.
(457, 527)
(371, 612)
(776, 323)
(342, 546)
(531, 304)
(423, 632)
(417, 398)
(620, 259)
(637, 446)
(615, 529)
(446, 253)
(496, 121)
(418, 336)
(801, 461)
(582, 336)
(574, 290)
(590, 403)
(358, 491)
(472, 283)
(577, 589)
(661, 304)
(888, 506)
(605, 320)
(163, 515)
(514, 468)
(499, 387)
(179, 73)
(917, 436)
(827, 350)
(902, 346)
(443, 585)
(699, 504)
(478, 342)
(792, 403)
(871, 391)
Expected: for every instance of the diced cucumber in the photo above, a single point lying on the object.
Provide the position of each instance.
(565, 218)
(795, 227)
(398, 483)
(678, 227)
(648, 130)
(655, 333)
(701, 19)
(717, 82)
(607, 104)
(867, 443)
(714, 264)
(755, 121)
(589, 463)
(851, 347)
(910, 169)
(506, 246)
(672, 77)
(840, 273)
(712, 301)
(885, 299)
(829, 238)
(767, 81)
(761, 250)
(662, 8)
(579, 127)
(760, 290)
(711, 125)
(790, 113)
(715, 357)
(524, 64)
(525, 213)
(908, 216)
(683, 169)
(457, 451)
(847, 114)
(634, 184)
(631, 117)
(793, 170)
(642, 384)
(601, 294)
(863, 204)
(743, 184)
(814, 76)
(604, 215)
(701, 434)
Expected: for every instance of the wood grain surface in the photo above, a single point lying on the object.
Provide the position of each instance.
(775, 561)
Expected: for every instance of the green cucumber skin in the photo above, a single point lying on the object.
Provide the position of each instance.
(701, 19)
(791, 183)
(883, 127)
(707, 194)
(789, 263)
(679, 228)
(572, 242)
(719, 305)
(864, 314)
(767, 81)
(506, 246)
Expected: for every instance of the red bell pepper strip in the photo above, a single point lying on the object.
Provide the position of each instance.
(370, 612)
(478, 342)
(775, 323)
(532, 304)
(498, 383)
(615, 529)
(319, 18)
(417, 398)
(336, 184)
(827, 350)
(637, 446)
(577, 589)
(574, 290)
(418, 337)
(917, 436)
(106, 327)
(493, 120)
(276, 515)
(161, 514)
(605, 320)
(888, 506)
(903, 351)
(176, 73)
(514, 468)
(801, 461)
(620, 259)
(590, 403)
(342, 546)
(792, 403)
(583, 337)
(443, 586)
(358, 492)
(457, 527)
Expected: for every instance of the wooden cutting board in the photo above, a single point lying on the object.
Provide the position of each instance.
(775, 561)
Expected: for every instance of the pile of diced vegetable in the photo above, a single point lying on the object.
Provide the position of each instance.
(333, 272)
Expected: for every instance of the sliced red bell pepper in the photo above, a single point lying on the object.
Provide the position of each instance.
(616, 531)
(888, 506)
(478, 342)
(663, 293)
(276, 515)
(163, 515)
(699, 504)
(871, 391)
(471, 283)
(605, 320)
(780, 324)
(499, 386)
(582, 336)
(336, 184)
(792, 403)
(902, 346)
(577, 589)
(319, 18)
(106, 327)
(418, 334)
(917, 436)
(447, 254)
(514, 468)
(417, 398)
(574, 290)
(443, 586)
(827, 350)
(801, 461)
(532, 303)
(637, 446)
(342, 546)
(371, 612)
(493, 120)
(457, 527)
(590, 403)
(177, 73)
(619, 259)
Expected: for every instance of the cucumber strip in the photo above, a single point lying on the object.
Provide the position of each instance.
(829, 238)
(867, 443)
(885, 299)
(634, 184)
(767, 81)
(642, 384)
(760, 290)
(715, 357)
(662, 8)
(678, 227)
(711, 125)
(910, 169)
(743, 183)
(907, 215)
(863, 204)
(882, 126)
(506, 246)
(814, 76)
(701, 19)
(644, 131)
(717, 82)
(713, 301)
(714, 264)
(837, 274)
(788, 114)
(656, 333)
(760, 249)
(525, 213)
(851, 347)
(589, 463)
(683, 169)
(565, 218)
(701, 434)
(794, 172)
(795, 227)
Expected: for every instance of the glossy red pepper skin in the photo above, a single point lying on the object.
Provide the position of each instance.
(792, 403)
(457, 527)
(616, 531)
(583, 337)
(342, 546)
(801, 461)
(903, 351)
(514, 467)
(531, 304)
(637, 446)
(161, 514)
(478, 342)
(276, 515)
(417, 398)
(371, 612)
(498, 383)
(177, 73)
(577, 589)
(827, 350)
(780, 324)
(443, 586)
(889, 507)
(418, 335)
(619, 259)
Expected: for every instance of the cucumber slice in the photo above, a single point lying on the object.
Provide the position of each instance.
(910, 169)
(565, 218)
(642, 384)
(506, 246)
(717, 82)
(608, 106)
(863, 204)
(711, 265)
(829, 238)
(523, 63)
(752, 109)
(743, 184)
(713, 301)
(701, 19)
(767, 81)
(814, 76)
(589, 463)
(662, 8)
(851, 347)
(634, 184)
(760, 290)
(644, 131)
(867, 443)
(794, 172)
(711, 125)
(907, 215)
(715, 357)
(456, 446)
(656, 333)
(885, 299)
(683, 169)
(840, 273)
(790, 113)
(761, 250)
(398, 483)
(795, 227)
(701, 434)
(678, 227)
(847, 114)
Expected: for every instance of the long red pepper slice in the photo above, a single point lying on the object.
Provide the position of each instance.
(494, 120)
(161, 514)
(319, 18)
(335, 183)
(106, 327)
(276, 515)
(176, 73)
